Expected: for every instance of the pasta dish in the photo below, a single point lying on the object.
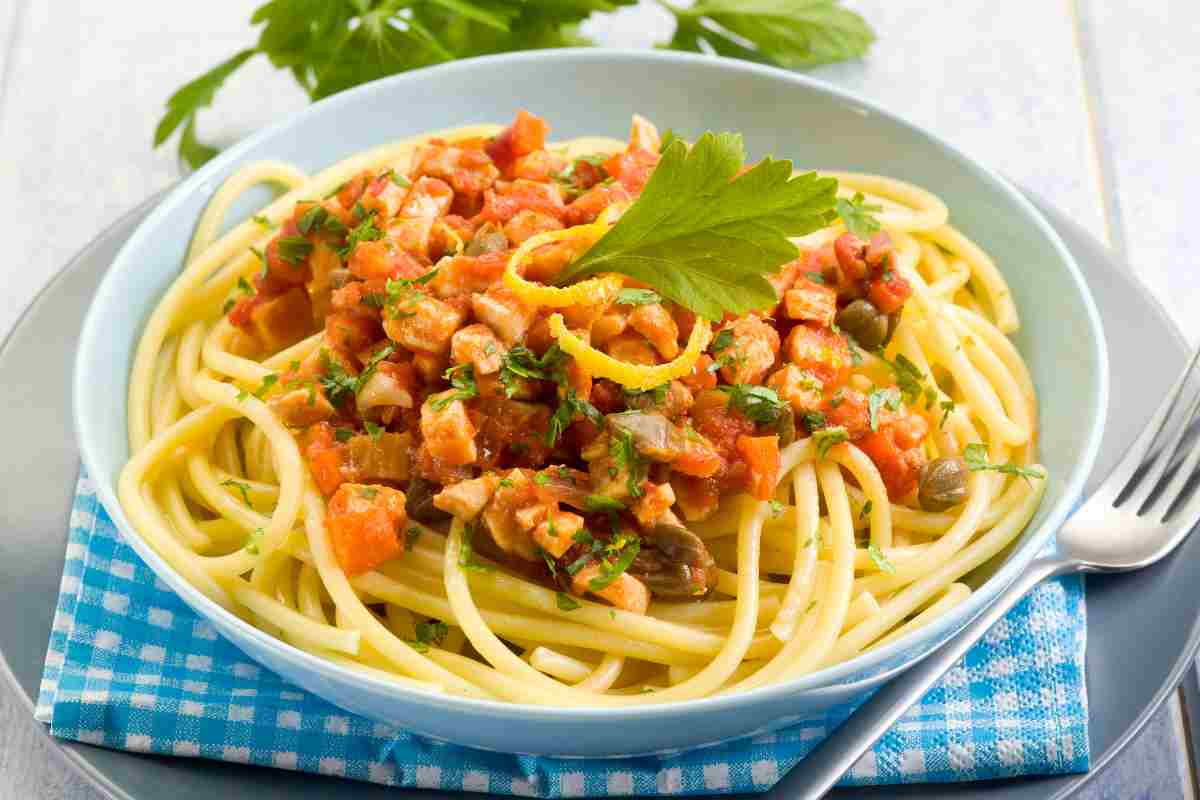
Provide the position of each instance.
(591, 423)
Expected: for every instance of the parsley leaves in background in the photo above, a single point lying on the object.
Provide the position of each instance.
(704, 236)
(331, 45)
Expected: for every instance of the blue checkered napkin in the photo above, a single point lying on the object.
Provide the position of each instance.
(131, 667)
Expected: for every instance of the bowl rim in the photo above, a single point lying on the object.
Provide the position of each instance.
(840, 677)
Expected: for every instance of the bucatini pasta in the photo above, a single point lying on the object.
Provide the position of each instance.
(369, 422)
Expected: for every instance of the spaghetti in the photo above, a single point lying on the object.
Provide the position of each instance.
(369, 425)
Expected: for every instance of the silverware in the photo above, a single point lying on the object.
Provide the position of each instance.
(1141, 512)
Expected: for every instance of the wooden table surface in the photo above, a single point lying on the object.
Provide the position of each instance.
(1094, 104)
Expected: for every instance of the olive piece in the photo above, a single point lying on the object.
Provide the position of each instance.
(893, 323)
(418, 502)
(943, 484)
(488, 239)
(674, 563)
(864, 322)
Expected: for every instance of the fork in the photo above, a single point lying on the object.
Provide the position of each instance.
(1141, 512)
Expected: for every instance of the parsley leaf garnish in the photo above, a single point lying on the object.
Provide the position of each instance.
(704, 236)
(429, 633)
(856, 214)
(267, 382)
(338, 384)
(975, 455)
(908, 377)
(566, 602)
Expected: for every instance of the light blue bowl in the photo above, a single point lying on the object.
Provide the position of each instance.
(595, 92)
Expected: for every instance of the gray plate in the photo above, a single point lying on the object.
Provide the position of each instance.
(1142, 627)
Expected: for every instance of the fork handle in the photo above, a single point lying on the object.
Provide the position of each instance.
(816, 774)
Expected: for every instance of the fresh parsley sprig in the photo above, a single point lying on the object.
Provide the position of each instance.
(705, 236)
(856, 213)
(333, 45)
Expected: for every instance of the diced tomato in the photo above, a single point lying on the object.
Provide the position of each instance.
(364, 525)
(505, 200)
(698, 459)
(540, 165)
(701, 377)
(715, 421)
(526, 134)
(820, 351)
(325, 458)
(762, 458)
(382, 258)
(909, 431)
(591, 203)
(352, 189)
(350, 334)
(889, 292)
(848, 409)
(632, 169)
(899, 466)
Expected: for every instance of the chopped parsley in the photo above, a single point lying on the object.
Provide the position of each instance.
(723, 339)
(254, 540)
(877, 400)
(293, 249)
(241, 487)
(656, 395)
(569, 407)
(343, 434)
(373, 430)
(626, 458)
(857, 215)
(618, 555)
(880, 560)
(566, 602)
(756, 403)
(466, 555)
(599, 502)
(410, 537)
(433, 632)
(338, 384)
(267, 382)
(947, 409)
(541, 478)
(866, 510)
(364, 231)
(462, 382)
(638, 297)
(776, 508)
(398, 179)
(826, 438)
(261, 220)
(813, 420)
(815, 277)
(368, 493)
(521, 362)
(975, 455)
(506, 483)
(908, 377)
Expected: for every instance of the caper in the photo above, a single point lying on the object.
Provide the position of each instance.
(864, 322)
(418, 502)
(943, 484)
(488, 239)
